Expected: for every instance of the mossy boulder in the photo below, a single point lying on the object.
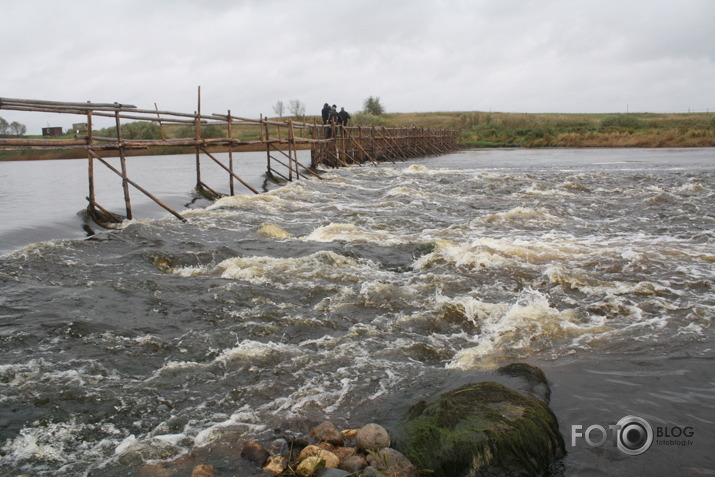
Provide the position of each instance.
(534, 382)
(481, 429)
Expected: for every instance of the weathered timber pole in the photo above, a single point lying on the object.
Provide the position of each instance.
(291, 142)
(137, 186)
(231, 173)
(275, 159)
(230, 153)
(90, 159)
(314, 161)
(197, 137)
(161, 125)
(123, 161)
(360, 148)
(391, 144)
(265, 138)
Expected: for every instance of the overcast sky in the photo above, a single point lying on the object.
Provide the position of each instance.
(415, 55)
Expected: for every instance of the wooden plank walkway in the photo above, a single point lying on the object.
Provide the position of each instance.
(330, 145)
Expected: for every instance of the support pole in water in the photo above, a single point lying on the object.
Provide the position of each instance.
(230, 153)
(123, 160)
(197, 137)
(90, 159)
(265, 138)
(138, 187)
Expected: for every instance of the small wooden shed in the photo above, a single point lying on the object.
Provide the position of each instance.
(51, 131)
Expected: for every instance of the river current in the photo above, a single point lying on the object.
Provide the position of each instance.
(351, 297)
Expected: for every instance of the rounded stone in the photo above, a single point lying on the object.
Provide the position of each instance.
(327, 432)
(353, 464)
(372, 436)
(309, 466)
(329, 459)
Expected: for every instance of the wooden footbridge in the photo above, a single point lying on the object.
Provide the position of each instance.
(330, 145)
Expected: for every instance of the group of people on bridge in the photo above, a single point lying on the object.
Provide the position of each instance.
(332, 117)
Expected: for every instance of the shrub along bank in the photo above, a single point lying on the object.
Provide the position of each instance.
(587, 130)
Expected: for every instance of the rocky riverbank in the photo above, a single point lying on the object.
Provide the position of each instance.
(480, 428)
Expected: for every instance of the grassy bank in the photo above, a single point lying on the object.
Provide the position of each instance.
(477, 129)
(482, 129)
(589, 130)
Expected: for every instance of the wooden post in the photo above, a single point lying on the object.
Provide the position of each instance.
(230, 153)
(140, 188)
(161, 125)
(125, 182)
(313, 147)
(362, 150)
(229, 171)
(90, 159)
(197, 137)
(292, 153)
(265, 136)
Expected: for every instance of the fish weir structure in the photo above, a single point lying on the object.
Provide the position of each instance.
(330, 145)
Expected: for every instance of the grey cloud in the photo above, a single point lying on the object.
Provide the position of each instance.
(417, 55)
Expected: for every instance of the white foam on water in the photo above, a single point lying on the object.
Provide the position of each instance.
(265, 201)
(521, 214)
(348, 232)
(476, 311)
(287, 272)
(691, 187)
(417, 169)
(154, 448)
(243, 421)
(406, 192)
(340, 299)
(144, 340)
(538, 189)
(460, 256)
(19, 374)
(270, 230)
(38, 249)
(57, 442)
(528, 326)
(580, 280)
(250, 350)
(127, 444)
(191, 271)
(174, 367)
(692, 329)
(488, 252)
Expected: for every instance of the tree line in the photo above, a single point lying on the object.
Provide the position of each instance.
(12, 129)
(296, 107)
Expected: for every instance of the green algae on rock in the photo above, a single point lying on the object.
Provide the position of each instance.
(481, 429)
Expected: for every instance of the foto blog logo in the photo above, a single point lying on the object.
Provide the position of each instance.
(632, 435)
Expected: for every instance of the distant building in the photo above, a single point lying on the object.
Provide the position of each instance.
(79, 127)
(52, 132)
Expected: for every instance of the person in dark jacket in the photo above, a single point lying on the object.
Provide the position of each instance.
(344, 116)
(333, 116)
(326, 116)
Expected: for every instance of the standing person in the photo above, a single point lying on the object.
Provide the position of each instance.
(326, 115)
(333, 119)
(344, 116)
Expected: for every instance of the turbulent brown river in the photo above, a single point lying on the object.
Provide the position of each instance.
(349, 298)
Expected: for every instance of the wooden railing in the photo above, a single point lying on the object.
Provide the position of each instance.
(330, 145)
